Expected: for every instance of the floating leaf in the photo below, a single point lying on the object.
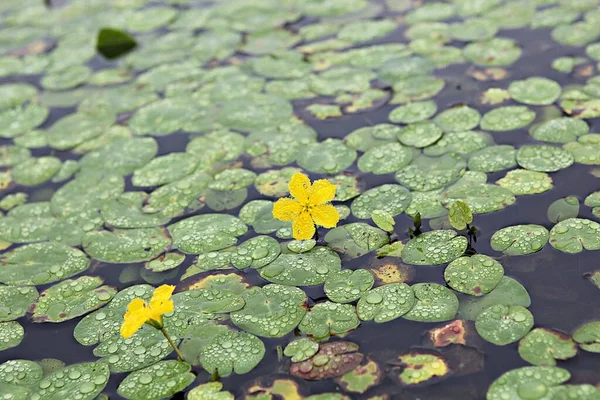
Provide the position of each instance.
(435, 303)
(368, 137)
(560, 130)
(209, 391)
(84, 381)
(274, 183)
(71, 298)
(287, 388)
(508, 292)
(390, 198)
(11, 334)
(562, 209)
(527, 383)
(585, 150)
(113, 43)
(544, 346)
(232, 351)
(35, 171)
(475, 275)
(362, 378)
(327, 319)
(588, 336)
(520, 240)
(271, 311)
(573, 235)
(458, 119)
(420, 134)
(16, 301)
(356, 239)
(454, 332)
(126, 246)
(459, 143)
(544, 158)
(157, 381)
(301, 349)
(493, 52)
(501, 324)
(481, 198)
(207, 232)
(522, 182)
(507, 118)
(333, 359)
(460, 215)
(328, 157)
(348, 285)
(434, 248)
(386, 303)
(385, 159)
(165, 262)
(413, 112)
(304, 269)
(430, 173)
(418, 367)
(535, 91)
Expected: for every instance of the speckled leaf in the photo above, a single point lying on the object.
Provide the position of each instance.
(430, 173)
(326, 319)
(562, 209)
(501, 324)
(386, 303)
(544, 158)
(123, 246)
(588, 336)
(348, 285)
(209, 391)
(419, 367)
(524, 182)
(573, 235)
(475, 275)
(507, 118)
(560, 130)
(207, 232)
(333, 359)
(356, 239)
(157, 381)
(362, 378)
(434, 303)
(520, 240)
(434, 248)
(232, 351)
(544, 346)
(527, 382)
(82, 381)
(301, 349)
(16, 301)
(393, 199)
(385, 159)
(11, 335)
(304, 269)
(328, 157)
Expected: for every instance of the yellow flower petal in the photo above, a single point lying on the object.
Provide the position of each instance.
(299, 187)
(322, 192)
(303, 227)
(325, 215)
(161, 302)
(135, 317)
(161, 293)
(286, 209)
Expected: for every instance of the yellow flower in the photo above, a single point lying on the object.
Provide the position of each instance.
(139, 312)
(308, 207)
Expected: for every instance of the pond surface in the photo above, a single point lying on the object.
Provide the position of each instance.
(162, 166)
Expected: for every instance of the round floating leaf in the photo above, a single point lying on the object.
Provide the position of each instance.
(416, 88)
(386, 303)
(81, 381)
(126, 212)
(327, 157)
(21, 120)
(419, 367)
(502, 324)
(544, 346)
(71, 298)
(41, 263)
(434, 11)
(271, 311)
(304, 269)
(473, 29)
(593, 200)
(13, 155)
(16, 301)
(420, 134)
(67, 78)
(508, 292)
(123, 246)
(165, 262)
(493, 158)
(385, 159)
(458, 119)
(562, 209)
(475, 275)
(560, 130)
(36, 171)
(460, 215)
(493, 52)
(535, 91)
(586, 149)
(393, 199)
(274, 183)
(544, 158)
(413, 112)
(301, 246)
(588, 336)
(11, 335)
(430, 173)
(209, 391)
(527, 383)
(368, 137)
(207, 232)
(434, 248)
(348, 285)
(123, 156)
(576, 34)
(480, 198)
(326, 319)
(232, 351)
(356, 239)
(459, 143)
(341, 79)
(383, 220)
(301, 349)
(434, 303)
(165, 169)
(333, 359)
(522, 182)
(233, 179)
(520, 240)
(573, 235)
(158, 381)
(362, 378)
(507, 118)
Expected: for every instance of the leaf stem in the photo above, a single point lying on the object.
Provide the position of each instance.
(179, 355)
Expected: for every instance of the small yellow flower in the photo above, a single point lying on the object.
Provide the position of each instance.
(308, 207)
(140, 313)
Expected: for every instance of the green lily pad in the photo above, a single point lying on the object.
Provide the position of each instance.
(481, 198)
(259, 214)
(544, 158)
(111, 76)
(527, 383)
(123, 246)
(165, 262)
(207, 232)
(165, 169)
(473, 29)
(458, 119)
(366, 138)
(585, 149)
(427, 204)
(593, 200)
(434, 303)
(71, 298)
(66, 171)
(301, 246)
(274, 183)
(544, 346)
(393, 199)
(416, 88)
(434, 248)
(403, 67)
(554, 16)
(435, 11)
(41, 263)
(420, 134)
(329, 319)
(507, 118)
(362, 378)
(460, 215)
(573, 235)
(157, 381)
(13, 155)
(232, 351)
(13, 200)
(496, 52)
(347, 187)
(420, 367)
(209, 391)
(383, 220)
(430, 173)
(11, 334)
(356, 239)
(327, 157)
(385, 159)
(177, 197)
(67, 78)
(271, 311)
(560, 130)
(576, 34)
(413, 112)
(475, 275)
(588, 336)
(562, 209)
(520, 240)
(126, 212)
(301, 349)
(501, 324)
(17, 300)
(462, 143)
(535, 91)
(333, 359)
(348, 285)
(386, 303)
(123, 156)
(363, 31)
(493, 158)
(341, 79)
(22, 119)
(233, 179)
(304, 269)
(35, 171)
(522, 182)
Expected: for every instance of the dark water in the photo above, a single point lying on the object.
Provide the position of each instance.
(562, 298)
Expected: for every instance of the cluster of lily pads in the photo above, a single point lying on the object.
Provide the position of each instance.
(164, 165)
